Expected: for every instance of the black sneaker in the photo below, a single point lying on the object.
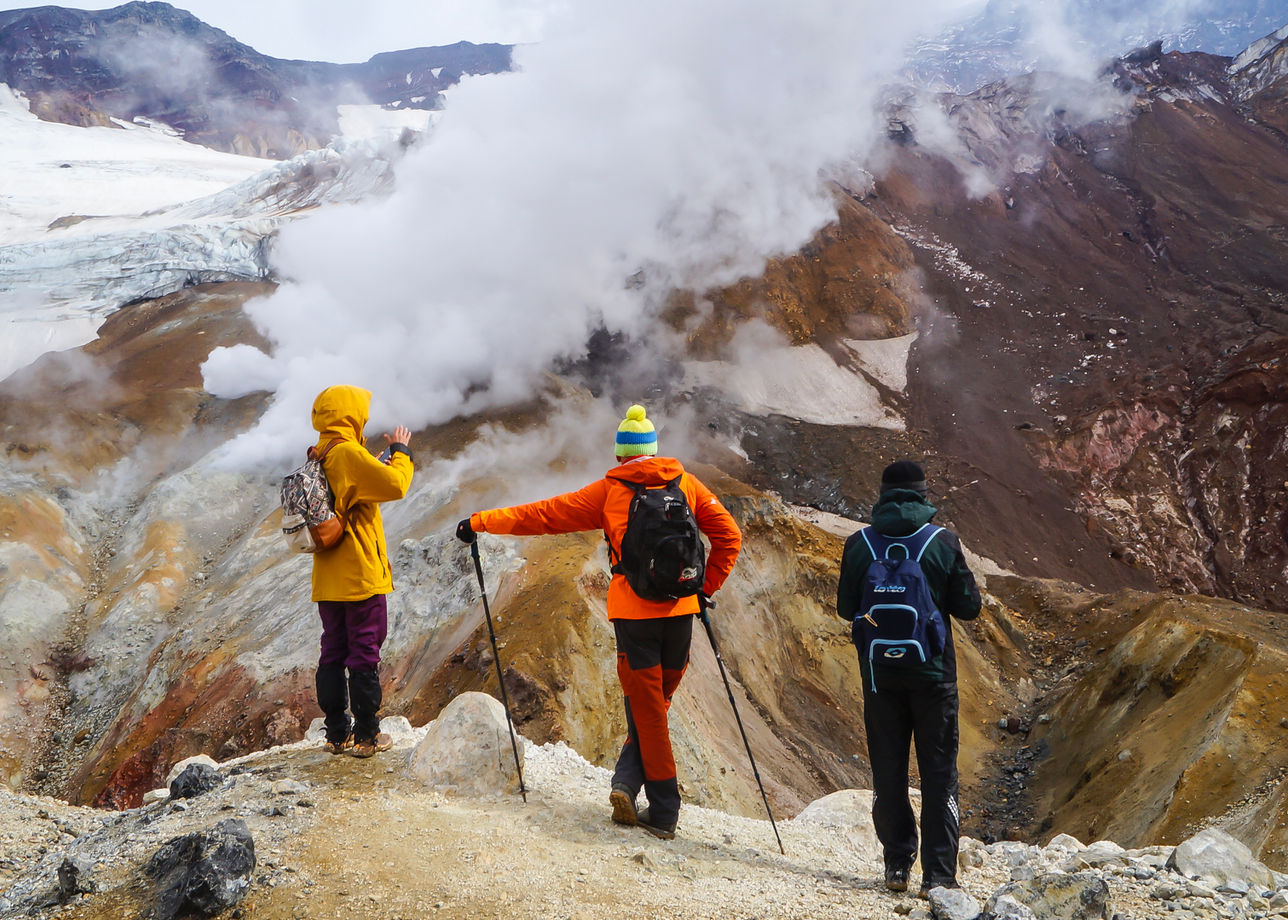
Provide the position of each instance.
(924, 893)
(662, 830)
(623, 802)
(896, 878)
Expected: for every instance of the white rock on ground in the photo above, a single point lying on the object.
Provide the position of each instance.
(467, 749)
(1216, 859)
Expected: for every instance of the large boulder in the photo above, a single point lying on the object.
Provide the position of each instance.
(203, 873)
(1216, 859)
(467, 749)
(847, 810)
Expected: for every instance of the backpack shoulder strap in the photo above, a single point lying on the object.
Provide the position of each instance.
(918, 542)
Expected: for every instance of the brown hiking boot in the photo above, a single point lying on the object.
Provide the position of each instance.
(381, 742)
(623, 801)
(338, 747)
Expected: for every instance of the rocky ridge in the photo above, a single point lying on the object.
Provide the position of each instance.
(416, 845)
(151, 60)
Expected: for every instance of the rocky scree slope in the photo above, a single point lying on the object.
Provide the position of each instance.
(456, 841)
(1108, 308)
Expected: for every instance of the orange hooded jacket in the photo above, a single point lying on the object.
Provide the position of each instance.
(357, 567)
(604, 505)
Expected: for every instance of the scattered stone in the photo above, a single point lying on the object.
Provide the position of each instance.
(1219, 861)
(186, 763)
(1167, 889)
(155, 795)
(953, 904)
(1058, 896)
(196, 779)
(1124, 755)
(971, 853)
(398, 728)
(1102, 854)
(642, 857)
(905, 906)
(289, 787)
(1007, 908)
(1066, 843)
(206, 872)
(467, 749)
(1278, 901)
(74, 877)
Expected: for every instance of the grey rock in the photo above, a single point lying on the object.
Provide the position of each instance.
(74, 877)
(205, 872)
(186, 763)
(1058, 896)
(953, 904)
(196, 779)
(1219, 861)
(1007, 908)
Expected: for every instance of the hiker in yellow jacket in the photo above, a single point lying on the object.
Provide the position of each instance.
(351, 579)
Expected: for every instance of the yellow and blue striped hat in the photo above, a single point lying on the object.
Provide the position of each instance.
(635, 435)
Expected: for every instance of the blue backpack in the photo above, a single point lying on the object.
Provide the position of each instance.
(898, 624)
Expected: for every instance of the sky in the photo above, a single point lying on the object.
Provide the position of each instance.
(312, 30)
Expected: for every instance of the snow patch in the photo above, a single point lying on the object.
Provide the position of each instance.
(804, 382)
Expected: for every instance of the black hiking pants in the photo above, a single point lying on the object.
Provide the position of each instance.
(924, 714)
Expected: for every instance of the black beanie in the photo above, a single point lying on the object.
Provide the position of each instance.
(904, 474)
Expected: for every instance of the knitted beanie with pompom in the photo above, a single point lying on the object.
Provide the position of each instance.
(635, 435)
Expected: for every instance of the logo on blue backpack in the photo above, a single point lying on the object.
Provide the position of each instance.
(898, 623)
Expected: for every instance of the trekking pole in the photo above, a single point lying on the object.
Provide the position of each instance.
(703, 604)
(505, 700)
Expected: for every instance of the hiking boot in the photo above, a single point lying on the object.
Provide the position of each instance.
(659, 829)
(896, 878)
(623, 801)
(381, 742)
(338, 747)
(924, 893)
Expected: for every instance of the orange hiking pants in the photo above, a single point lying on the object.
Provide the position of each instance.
(651, 658)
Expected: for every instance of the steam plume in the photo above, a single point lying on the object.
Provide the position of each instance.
(674, 143)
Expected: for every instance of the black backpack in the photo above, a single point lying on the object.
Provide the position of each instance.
(662, 556)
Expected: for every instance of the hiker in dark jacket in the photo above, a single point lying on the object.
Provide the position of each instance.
(917, 702)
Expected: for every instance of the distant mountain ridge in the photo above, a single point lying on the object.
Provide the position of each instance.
(155, 61)
(1000, 40)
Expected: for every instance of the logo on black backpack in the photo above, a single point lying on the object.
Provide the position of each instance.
(662, 556)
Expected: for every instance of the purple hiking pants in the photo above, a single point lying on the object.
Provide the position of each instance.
(352, 633)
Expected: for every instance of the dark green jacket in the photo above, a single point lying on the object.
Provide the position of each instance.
(899, 513)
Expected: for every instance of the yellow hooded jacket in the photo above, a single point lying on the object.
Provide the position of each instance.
(358, 566)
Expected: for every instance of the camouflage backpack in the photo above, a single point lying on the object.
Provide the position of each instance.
(309, 520)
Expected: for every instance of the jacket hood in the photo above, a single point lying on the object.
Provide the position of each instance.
(647, 470)
(341, 412)
(900, 512)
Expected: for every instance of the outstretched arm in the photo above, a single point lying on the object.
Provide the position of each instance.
(566, 513)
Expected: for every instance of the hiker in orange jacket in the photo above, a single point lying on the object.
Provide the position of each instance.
(653, 637)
